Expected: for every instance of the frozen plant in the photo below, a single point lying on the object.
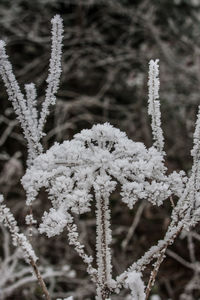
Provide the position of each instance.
(88, 168)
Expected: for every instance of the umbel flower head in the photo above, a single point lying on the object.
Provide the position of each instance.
(93, 163)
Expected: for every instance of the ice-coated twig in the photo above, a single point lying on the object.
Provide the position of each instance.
(152, 253)
(26, 108)
(154, 272)
(133, 225)
(154, 104)
(31, 95)
(73, 240)
(195, 172)
(22, 109)
(181, 260)
(188, 206)
(22, 279)
(54, 69)
(191, 247)
(196, 139)
(20, 240)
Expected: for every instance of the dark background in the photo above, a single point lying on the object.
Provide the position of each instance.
(107, 47)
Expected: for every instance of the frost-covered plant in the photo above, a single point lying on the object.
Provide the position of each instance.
(89, 167)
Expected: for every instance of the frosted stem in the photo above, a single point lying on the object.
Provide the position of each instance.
(20, 240)
(154, 272)
(54, 70)
(79, 248)
(102, 247)
(154, 105)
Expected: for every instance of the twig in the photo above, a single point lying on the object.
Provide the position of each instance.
(40, 279)
(133, 226)
(154, 272)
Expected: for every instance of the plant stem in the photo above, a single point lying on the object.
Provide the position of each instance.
(40, 279)
(154, 272)
(103, 253)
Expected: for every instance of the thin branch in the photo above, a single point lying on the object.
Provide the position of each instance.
(79, 248)
(154, 272)
(133, 225)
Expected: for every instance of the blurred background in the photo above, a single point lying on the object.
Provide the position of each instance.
(107, 47)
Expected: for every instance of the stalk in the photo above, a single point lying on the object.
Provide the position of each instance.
(103, 253)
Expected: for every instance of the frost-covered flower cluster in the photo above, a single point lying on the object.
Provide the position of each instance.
(95, 160)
